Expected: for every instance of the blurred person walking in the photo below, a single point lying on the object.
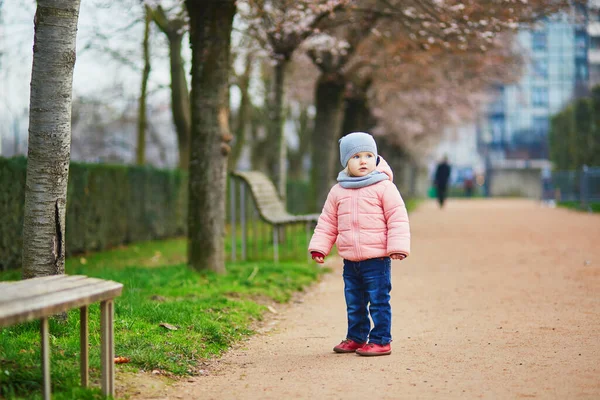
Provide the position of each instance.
(440, 181)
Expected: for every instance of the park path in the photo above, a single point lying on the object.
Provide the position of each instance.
(500, 299)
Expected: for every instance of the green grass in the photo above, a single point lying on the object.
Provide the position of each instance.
(575, 205)
(211, 312)
(292, 245)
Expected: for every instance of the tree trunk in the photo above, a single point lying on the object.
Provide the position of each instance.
(180, 99)
(242, 116)
(142, 120)
(296, 158)
(210, 40)
(277, 145)
(357, 115)
(328, 124)
(258, 144)
(49, 137)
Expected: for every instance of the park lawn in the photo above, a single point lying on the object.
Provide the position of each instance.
(210, 311)
(575, 205)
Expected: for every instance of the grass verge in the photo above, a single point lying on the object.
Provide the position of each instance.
(210, 312)
(575, 205)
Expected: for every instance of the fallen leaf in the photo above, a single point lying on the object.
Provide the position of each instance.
(272, 309)
(168, 326)
(122, 360)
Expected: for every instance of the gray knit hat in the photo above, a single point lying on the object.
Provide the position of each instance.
(356, 142)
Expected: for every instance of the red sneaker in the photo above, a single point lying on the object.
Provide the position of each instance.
(348, 346)
(373, 349)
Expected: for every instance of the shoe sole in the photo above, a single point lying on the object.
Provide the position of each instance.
(372, 354)
(340, 351)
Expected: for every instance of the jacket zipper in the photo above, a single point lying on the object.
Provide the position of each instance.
(355, 230)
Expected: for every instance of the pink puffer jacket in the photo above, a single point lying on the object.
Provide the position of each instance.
(365, 223)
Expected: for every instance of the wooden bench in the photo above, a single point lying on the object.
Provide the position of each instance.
(40, 298)
(270, 207)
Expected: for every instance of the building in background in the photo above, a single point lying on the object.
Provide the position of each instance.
(515, 126)
(594, 47)
(510, 137)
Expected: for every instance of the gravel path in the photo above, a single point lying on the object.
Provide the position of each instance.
(499, 299)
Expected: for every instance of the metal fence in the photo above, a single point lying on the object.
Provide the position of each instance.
(582, 186)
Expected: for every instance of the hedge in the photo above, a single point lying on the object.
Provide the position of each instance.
(107, 205)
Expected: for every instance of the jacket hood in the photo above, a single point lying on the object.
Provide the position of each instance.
(384, 167)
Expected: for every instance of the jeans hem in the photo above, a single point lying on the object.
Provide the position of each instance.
(380, 344)
(355, 340)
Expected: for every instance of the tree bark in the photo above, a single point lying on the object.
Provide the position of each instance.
(142, 119)
(241, 120)
(258, 143)
(49, 137)
(210, 41)
(328, 123)
(180, 99)
(357, 115)
(180, 102)
(277, 145)
(296, 158)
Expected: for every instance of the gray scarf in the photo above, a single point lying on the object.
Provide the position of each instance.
(355, 182)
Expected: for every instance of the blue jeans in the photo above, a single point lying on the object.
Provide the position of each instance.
(367, 286)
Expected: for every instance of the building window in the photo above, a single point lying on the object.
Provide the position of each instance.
(497, 128)
(540, 68)
(581, 70)
(594, 42)
(539, 96)
(581, 44)
(539, 40)
(540, 127)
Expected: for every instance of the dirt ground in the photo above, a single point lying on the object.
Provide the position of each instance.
(500, 299)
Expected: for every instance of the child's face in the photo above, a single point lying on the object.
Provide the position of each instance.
(362, 164)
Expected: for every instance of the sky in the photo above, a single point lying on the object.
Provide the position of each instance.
(109, 48)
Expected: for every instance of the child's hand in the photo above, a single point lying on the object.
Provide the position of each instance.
(397, 256)
(318, 257)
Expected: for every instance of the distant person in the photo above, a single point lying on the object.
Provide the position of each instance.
(469, 183)
(440, 181)
(366, 216)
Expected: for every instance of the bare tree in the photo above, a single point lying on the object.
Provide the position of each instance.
(210, 40)
(242, 118)
(49, 137)
(174, 25)
(281, 26)
(142, 120)
(331, 54)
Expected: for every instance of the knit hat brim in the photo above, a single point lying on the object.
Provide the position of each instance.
(354, 143)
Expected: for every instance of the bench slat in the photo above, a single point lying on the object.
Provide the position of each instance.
(31, 281)
(21, 310)
(34, 287)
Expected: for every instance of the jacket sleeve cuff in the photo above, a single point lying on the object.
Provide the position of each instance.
(317, 254)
